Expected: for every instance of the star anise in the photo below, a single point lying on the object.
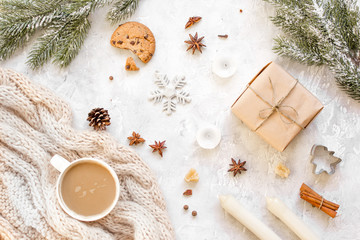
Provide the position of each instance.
(158, 146)
(135, 139)
(195, 43)
(237, 167)
(191, 21)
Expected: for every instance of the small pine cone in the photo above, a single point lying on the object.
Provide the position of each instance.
(99, 118)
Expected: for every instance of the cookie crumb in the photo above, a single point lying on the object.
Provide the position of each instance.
(241, 10)
(194, 213)
(186, 207)
(111, 78)
(131, 65)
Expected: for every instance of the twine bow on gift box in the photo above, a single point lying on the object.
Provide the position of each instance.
(277, 107)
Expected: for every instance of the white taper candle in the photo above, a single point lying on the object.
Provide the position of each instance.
(246, 218)
(280, 210)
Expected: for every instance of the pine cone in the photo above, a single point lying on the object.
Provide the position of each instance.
(99, 118)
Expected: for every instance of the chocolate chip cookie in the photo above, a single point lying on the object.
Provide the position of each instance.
(137, 38)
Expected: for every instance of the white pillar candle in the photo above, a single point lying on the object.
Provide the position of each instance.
(246, 218)
(280, 210)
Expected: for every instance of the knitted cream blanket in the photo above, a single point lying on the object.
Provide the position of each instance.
(34, 125)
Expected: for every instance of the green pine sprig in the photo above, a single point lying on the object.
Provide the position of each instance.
(64, 25)
(19, 20)
(121, 10)
(322, 32)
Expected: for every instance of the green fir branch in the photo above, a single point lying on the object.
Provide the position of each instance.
(121, 10)
(74, 35)
(347, 76)
(322, 32)
(64, 25)
(44, 48)
(18, 22)
(83, 7)
(64, 40)
(18, 16)
(344, 18)
(292, 49)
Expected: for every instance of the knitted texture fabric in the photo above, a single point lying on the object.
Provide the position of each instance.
(34, 125)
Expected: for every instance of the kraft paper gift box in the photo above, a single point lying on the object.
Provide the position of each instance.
(276, 106)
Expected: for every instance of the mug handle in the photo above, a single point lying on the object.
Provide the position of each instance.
(59, 163)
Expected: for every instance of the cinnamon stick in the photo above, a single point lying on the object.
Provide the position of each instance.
(305, 189)
(326, 203)
(316, 203)
(316, 200)
(334, 205)
(332, 213)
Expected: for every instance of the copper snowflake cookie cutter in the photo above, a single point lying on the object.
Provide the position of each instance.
(314, 154)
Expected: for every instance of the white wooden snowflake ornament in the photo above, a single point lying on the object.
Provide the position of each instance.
(169, 92)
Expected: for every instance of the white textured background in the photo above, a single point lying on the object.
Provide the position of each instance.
(85, 85)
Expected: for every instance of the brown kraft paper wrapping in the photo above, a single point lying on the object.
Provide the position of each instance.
(274, 85)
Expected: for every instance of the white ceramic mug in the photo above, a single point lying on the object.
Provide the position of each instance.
(63, 165)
